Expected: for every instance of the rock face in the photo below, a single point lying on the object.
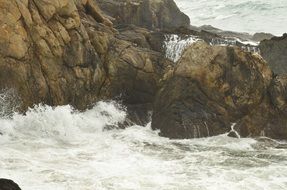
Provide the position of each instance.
(210, 88)
(151, 14)
(274, 51)
(6, 184)
(262, 36)
(270, 118)
(46, 53)
(67, 52)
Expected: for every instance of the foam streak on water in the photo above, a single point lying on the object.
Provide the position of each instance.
(238, 15)
(63, 149)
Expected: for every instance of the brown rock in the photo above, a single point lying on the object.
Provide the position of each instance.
(274, 51)
(210, 88)
(68, 52)
(151, 14)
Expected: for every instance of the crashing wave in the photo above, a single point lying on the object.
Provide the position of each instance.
(9, 102)
(174, 45)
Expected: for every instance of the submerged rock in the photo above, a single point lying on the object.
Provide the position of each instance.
(261, 36)
(6, 184)
(232, 134)
(210, 87)
(274, 51)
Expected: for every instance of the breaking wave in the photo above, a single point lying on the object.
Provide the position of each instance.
(61, 148)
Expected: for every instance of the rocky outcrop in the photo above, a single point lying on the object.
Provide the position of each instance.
(261, 36)
(274, 51)
(6, 184)
(270, 118)
(68, 52)
(46, 54)
(150, 14)
(210, 88)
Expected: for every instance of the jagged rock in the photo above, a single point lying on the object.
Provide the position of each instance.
(209, 88)
(151, 14)
(68, 52)
(49, 58)
(133, 72)
(274, 51)
(136, 35)
(6, 184)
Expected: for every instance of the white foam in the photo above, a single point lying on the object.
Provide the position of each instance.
(174, 45)
(64, 149)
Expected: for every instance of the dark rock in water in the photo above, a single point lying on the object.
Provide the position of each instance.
(210, 87)
(268, 142)
(233, 134)
(264, 143)
(151, 14)
(139, 114)
(223, 33)
(6, 184)
(281, 146)
(261, 36)
(274, 51)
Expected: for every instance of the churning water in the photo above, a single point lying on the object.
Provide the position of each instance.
(238, 15)
(174, 45)
(63, 149)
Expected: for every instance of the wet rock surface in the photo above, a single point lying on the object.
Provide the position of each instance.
(210, 88)
(150, 14)
(69, 53)
(274, 51)
(80, 52)
(6, 184)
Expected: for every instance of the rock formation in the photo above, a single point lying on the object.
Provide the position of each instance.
(68, 53)
(150, 14)
(210, 88)
(274, 51)
(6, 184)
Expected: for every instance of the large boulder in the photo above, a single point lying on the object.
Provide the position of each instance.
(270, 117)
(6, 184)
(67, 52)
(274, 51)
(210, 88)
(46, 54)
(151, 14)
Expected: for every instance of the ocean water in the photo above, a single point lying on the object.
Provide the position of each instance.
(60, 148)
(238, 15)
(63, 149)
